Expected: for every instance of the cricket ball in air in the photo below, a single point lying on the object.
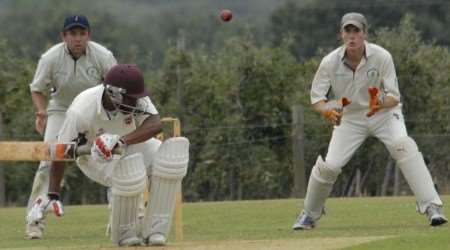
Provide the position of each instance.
(226, 15)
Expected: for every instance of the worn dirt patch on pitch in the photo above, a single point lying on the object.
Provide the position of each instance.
(285, 244)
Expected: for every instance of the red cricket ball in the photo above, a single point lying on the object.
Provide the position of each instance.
(226, 15)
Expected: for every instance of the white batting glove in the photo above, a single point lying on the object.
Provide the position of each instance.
(42, 206)
(104, 145)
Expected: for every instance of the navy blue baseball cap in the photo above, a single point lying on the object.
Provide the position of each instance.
(76, 21)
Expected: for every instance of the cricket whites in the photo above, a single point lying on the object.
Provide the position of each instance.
(41, 151)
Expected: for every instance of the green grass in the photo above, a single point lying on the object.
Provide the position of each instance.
(383, 223)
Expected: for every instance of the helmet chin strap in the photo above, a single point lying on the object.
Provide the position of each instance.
(116, 96)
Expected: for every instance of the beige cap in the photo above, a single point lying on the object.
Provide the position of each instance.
(356, 19)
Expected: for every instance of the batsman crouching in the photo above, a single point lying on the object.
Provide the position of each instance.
(118, 121)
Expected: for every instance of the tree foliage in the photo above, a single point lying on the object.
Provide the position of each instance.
(233, 86)
(15, 116)
(313, 23)
(235, 108)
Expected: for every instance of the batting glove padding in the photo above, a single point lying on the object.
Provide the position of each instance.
(104, 145)
(42, 206)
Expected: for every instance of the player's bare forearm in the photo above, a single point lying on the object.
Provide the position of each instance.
(41, 114)
(39, 101)
(148, 129)
(319, 106)
(56, 175)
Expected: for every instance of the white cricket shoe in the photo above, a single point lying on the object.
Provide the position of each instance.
(157, 240)
(304, 222)
(435, 215)
(131, 241)
(34, 230)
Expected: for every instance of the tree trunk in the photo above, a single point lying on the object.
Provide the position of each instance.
(298, 140)
(234, 183)
(2, 172)
(387, 177)
(397, 180)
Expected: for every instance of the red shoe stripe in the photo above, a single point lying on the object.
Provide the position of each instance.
(56, 209)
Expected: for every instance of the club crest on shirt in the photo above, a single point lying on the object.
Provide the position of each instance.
(373, 73)
(93, 72)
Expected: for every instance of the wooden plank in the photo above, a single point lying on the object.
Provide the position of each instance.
(24, 151)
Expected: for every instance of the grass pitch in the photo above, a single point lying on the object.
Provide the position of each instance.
(350, 223)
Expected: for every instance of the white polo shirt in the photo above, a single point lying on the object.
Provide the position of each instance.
(64, 78)
(376, 69)
(87, 115)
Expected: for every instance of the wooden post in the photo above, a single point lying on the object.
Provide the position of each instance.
(298, 154)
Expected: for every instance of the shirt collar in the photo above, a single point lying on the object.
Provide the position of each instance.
(101, 112)
(367, 51)
(87, 52)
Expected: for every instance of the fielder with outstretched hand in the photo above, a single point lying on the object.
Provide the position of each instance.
(118, 121)
(364, 73)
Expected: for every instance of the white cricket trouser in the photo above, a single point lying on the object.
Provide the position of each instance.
(389, 127)
(42, 177)
(102, 172)
(355, 128)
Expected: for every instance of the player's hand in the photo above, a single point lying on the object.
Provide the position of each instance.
(43, 205)
(333, 110)
(332, 115)
(104, 145)
(41, 121)
(375, 101)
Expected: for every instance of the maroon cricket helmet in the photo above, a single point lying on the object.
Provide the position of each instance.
(129, 78)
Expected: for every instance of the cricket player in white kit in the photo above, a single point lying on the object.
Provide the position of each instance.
(351, 71)
(117, 121)
(63, 72)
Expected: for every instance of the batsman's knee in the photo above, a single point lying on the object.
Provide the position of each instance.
(148, 149)
(129, 179)
(324, 173)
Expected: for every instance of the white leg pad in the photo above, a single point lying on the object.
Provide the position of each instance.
(169, 168)
(129, 180)
(410, 161)
(319, 187)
